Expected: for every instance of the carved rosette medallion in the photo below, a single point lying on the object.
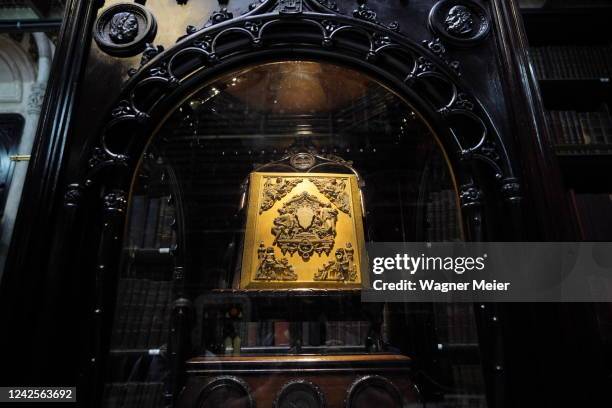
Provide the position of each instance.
(303, 231)
(124, 29)
(462, 22)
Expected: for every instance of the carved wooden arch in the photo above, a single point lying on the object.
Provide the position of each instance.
(309, 29)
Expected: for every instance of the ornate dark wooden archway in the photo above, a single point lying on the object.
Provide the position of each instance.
(419, 72)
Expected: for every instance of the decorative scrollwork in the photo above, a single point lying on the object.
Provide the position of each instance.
(413, 62)
(439, 49)
(275, 188)
(272, 269)
(364, 12)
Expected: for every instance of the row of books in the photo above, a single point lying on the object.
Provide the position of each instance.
(133, 395)
(455, 323)
(143, 314)
(151, 222)
(441, 217)
(572, 62)
(580, 128)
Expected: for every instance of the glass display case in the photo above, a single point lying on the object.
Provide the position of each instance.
(250, 210)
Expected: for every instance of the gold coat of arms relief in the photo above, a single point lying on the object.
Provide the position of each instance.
(304, 230)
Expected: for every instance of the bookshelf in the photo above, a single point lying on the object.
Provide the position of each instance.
(571, 55)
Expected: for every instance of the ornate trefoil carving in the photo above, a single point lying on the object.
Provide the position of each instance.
(275, 188)
(272, 269)
(335, 190)
(305, 225)
(439, 49)
(341, 268)
(364, 12)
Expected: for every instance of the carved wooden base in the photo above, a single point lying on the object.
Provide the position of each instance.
(332, 381)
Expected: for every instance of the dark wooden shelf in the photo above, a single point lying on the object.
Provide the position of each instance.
(284, 363)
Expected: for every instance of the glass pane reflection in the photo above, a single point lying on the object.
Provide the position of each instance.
(187, 222)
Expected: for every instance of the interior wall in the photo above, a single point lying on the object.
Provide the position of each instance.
(22, 89)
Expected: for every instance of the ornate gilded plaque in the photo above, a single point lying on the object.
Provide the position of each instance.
(304, 230)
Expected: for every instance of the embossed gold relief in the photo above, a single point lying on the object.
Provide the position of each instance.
(341, 268)
(305, 225)
(271, 268)
(335, 190)
(276, 188)
(304, 230)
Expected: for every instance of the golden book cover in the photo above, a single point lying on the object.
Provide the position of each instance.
(304, 230)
